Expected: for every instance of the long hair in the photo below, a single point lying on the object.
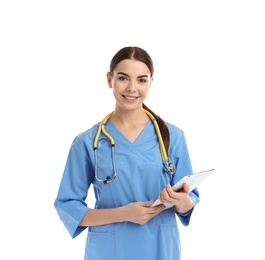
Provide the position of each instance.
(136, 53)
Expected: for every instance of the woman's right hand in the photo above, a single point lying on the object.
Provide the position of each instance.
(141, 212)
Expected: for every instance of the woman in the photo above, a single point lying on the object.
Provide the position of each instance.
(128, 174)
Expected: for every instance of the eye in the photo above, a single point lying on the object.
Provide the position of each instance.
(142, 80)
(122, 78)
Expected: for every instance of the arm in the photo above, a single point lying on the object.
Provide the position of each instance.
(70, 202)
(184, 201)
(137, 212)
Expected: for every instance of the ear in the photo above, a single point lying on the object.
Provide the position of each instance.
(109, 79)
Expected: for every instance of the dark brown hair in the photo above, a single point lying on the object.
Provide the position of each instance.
(136, 53)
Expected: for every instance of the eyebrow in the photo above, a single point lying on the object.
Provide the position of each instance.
(124, 74)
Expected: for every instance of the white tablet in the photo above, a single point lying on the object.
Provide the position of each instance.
(193, 180)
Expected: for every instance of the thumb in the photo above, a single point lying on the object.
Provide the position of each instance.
(148, 203)
(186, 188)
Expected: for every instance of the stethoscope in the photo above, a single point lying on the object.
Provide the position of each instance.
(169, 167)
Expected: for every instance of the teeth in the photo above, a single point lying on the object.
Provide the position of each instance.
(131, 98)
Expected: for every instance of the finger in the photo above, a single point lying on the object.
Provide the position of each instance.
(147, 203)
(164, 196)
(186, 188)
(170, 191)
(159, 207)
(156, 210)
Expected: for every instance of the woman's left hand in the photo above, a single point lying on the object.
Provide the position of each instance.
(180, 199)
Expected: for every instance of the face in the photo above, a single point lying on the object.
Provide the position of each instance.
(130, 82)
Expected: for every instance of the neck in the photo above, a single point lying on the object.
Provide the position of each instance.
(132, 117)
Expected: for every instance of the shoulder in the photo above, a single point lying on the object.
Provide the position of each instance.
(174, 130)
(177, 135)
(86, 137)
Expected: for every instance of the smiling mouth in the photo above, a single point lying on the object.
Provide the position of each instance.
(130, 98)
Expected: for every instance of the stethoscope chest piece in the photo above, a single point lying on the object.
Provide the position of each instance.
(169, 167)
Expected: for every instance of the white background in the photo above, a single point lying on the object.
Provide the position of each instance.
(209, 80)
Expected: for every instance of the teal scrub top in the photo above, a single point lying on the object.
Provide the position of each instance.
(140, 177)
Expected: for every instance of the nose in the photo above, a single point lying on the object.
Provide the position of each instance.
(131, 86)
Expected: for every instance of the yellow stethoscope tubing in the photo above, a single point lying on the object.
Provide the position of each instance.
(168, 167)
(102, 128)
(160, 140)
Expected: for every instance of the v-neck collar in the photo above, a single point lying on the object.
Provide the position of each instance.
(137, 139)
